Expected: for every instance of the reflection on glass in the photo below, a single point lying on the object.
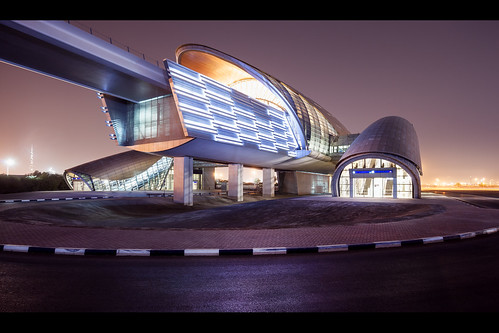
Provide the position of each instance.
(381, 185)
(153, 178)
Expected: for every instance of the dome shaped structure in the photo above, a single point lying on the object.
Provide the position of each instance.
(383, 161)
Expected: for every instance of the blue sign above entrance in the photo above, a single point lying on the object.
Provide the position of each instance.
(373, 171)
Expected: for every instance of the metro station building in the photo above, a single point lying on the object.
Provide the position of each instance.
(221, 112)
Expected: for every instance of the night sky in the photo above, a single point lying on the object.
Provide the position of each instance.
(442, 76)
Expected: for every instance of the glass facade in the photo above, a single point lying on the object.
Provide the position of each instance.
(149, 121)
(375, 177)
(320, 129)
(254, 88)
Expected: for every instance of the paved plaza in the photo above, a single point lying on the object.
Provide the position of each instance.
(134, 222)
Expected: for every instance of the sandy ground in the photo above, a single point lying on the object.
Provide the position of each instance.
(217, 212)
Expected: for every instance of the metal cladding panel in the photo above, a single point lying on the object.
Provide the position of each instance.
(119, 166)
(392, 135)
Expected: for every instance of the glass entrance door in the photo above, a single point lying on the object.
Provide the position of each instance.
(375, 187)
(362, 187)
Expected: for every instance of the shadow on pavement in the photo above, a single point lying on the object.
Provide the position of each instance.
(218, 212)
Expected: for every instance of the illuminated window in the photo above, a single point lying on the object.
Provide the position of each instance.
(375, 177)
(149, 118)
(255, 89)
(152, 178)
(316, 127)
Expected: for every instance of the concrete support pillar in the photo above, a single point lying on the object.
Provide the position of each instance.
(182, 180)
(236, 181)
(268, 189)
(208, 179)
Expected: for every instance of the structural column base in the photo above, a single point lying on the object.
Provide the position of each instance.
(182, 180)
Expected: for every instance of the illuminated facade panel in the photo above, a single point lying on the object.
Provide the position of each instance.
(217, 112)
(314, 128)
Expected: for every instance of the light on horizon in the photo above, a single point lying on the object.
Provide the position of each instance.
(9, 162)
(471, 182)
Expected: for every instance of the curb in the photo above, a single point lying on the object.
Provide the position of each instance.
(249, 251)
(87, 198)
(53, 199)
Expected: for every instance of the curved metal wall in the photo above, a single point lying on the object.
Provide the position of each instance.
(390, 138)
(393, 135)
(126, 171)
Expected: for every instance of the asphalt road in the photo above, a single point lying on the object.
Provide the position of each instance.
(481, 199)
(456, 276)
(450, 277)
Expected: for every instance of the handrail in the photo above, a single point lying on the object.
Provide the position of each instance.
(111, 41)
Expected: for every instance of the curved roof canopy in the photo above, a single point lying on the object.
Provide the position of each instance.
(120, 166)
(315, 122)
(392, 135)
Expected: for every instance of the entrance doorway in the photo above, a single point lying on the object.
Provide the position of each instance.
(373, 178)
(373, 187)
(373, 183)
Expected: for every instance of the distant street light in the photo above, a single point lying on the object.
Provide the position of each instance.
(9, 162)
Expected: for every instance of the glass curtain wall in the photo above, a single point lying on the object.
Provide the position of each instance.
(318, 130)
(149, 119)
(154, 178)
(375, 178)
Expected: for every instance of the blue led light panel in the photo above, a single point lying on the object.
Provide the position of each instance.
(216, 112)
